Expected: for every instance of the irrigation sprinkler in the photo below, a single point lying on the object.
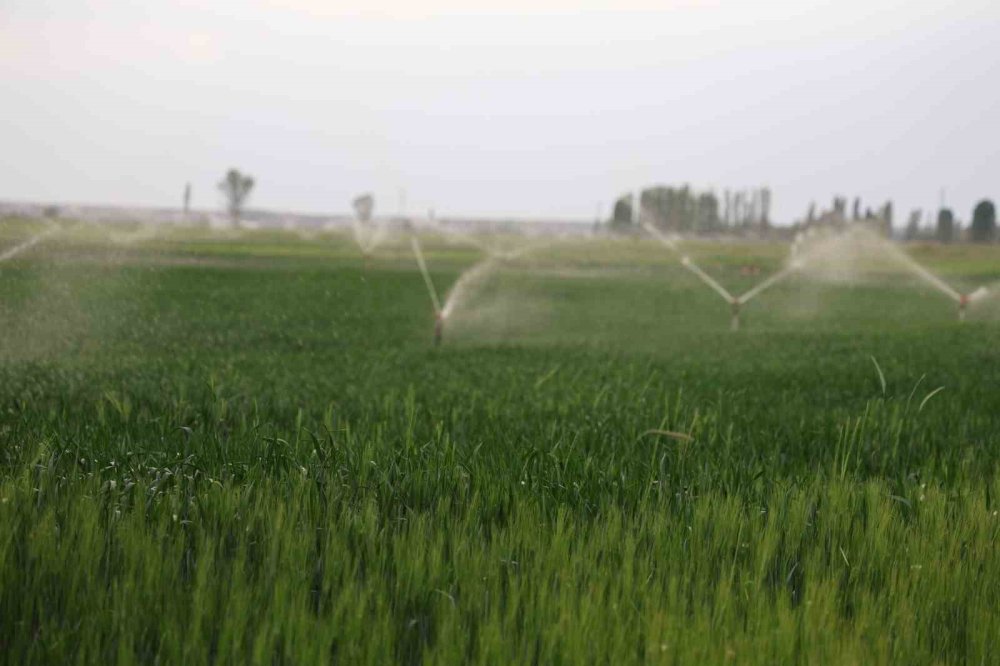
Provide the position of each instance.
(689, 264)
(736, 303)
(965, 300)
(439, 314)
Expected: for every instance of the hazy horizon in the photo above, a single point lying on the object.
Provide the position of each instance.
(512, 109)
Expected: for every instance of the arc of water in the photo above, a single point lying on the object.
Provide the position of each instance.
(143, 233)
(427, 276)
(527, 249)
(667, 241)
(465, 282)
(980, 294)
(687, 263)
(366, 238)
(28, 244)
(467, 237)
(769, 282)
(933, 280)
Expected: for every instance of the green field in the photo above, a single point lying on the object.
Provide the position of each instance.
(245, 449)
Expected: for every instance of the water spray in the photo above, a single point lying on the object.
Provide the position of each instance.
(368, 233)
(30, 243)
(667, 241)
(736, 303)
(963, 300)
(439, 314)
(493, 253)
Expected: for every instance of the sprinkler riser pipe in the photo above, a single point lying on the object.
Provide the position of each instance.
(438, 329)
(734, 323)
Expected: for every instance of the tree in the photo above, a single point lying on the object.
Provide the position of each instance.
(236, 187)
(886, 215)
(621, 217)
(187, 199)
(708, 213)
(913, 226)
(364, 206)
(984, 222)
(945, 225)
(765, 207)
(840, 208)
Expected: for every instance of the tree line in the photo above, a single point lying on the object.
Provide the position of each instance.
(685, 210)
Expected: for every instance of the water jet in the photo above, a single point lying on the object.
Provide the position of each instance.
(439, 313)
(30, 243)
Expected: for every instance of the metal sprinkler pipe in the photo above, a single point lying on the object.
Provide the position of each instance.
(963, 305)
(438, 328)
(735, 305)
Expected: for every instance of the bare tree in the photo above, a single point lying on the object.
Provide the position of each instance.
(187, 199)
(236, 187)
(765, 207)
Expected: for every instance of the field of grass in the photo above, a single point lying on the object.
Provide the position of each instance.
(246, 450)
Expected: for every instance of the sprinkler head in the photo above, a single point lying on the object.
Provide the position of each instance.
(963, 304)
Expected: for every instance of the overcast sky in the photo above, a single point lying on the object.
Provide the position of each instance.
(500, 107)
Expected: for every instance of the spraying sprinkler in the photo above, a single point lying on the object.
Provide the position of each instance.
(965, 300)
(735, 306)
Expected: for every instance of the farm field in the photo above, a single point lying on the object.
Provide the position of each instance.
(244, 448)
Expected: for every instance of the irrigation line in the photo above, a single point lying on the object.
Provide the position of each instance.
(28, 244)
(427, 276)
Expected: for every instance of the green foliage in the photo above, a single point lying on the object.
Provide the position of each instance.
(236, 188)
(247, 452)
(984, 222)
(945, 225)
(622, 215)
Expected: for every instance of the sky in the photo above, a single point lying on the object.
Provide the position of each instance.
(500, 108)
